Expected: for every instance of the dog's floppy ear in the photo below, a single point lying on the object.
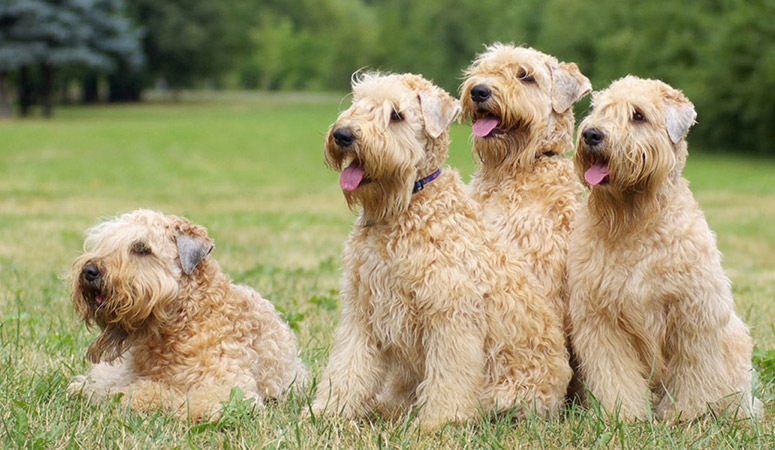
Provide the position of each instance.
(439, 109)
(192, 250)
(568, 85)
(679, 116)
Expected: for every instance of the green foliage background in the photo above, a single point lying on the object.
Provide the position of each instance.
(720, 52)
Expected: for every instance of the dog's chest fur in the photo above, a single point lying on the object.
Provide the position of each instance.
(531, 208)
(635, 280)
(544, 192)
(411, 270)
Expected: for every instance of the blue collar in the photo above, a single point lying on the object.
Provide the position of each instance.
(420, 184)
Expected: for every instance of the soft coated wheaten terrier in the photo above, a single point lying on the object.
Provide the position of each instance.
(521, 104)
(431, 302)
(176, 333)
(652, 315)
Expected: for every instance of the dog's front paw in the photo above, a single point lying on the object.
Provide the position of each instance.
(431, 421)
(757, 410)
(79, 385)
(668, 410)
(318, 408)
(331, 407)
(432, 424)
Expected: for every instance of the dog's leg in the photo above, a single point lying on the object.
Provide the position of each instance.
(354, 370)
(103, 379)
(611, 367)
(202, 402)
(207, 401)
(398, 393)
(525, 374)
(454, 371)
(710, 364)
(148, 395)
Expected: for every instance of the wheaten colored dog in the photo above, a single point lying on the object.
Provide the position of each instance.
(176, 333)
(520, 102)
(651, 310)
(429, 297)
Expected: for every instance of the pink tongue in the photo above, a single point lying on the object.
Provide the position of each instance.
(483, 127)
(595, 174)
(98, 299)
(351, 176)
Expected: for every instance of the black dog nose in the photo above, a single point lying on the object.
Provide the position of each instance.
(592, 136)
(343, 137)
(90, 273)
(480, 93)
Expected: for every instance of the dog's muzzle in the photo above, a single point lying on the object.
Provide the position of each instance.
(91, 281)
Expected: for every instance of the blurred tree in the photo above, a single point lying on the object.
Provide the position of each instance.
(735, 78)
(40, 36)
(293, 49)
(657, 39)
(272, 40)
(113, 35)
(440, 39)
(186, 41)
(16, 52)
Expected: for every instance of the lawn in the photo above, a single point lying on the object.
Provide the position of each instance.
(250, 168)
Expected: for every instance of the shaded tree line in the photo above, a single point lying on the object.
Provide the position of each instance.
(720, 52)
(43, 42)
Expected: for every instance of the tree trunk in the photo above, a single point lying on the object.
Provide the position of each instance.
(5, 107)
(25, 91)
(90, 88)
(126, 85)
(47, 89)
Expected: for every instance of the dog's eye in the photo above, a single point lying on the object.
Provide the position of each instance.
(141, 248)
(396, 116)
(638, 116)
(526, 77)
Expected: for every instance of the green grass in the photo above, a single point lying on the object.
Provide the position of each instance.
(250, 169)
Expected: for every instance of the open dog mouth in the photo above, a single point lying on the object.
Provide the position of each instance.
(597, 173)
(93, 295)
(353, 176)
(487, 124)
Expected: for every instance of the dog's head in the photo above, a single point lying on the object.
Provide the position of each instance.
(520, 103)
(394, 133)
(633, 139)
(134, 269)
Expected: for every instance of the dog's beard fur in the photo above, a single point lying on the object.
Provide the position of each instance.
(380, 199)
(508, 149)
(130, 310)
(523, 120)
(638, 171)
(109, 345)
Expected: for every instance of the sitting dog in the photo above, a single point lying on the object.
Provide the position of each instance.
(520, 102)
(176, 333)
(431, 301)
(652, 314)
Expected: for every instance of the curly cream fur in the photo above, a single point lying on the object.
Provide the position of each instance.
(652, 314)
(530, 198)
(171, 340)
(431, 301)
